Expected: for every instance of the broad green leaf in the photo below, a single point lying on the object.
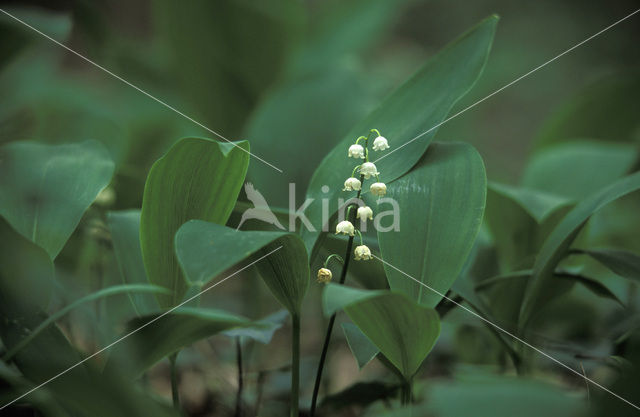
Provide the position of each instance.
(321, 79)
(567, 169)
(105, 292)
(414, 108)
(564, 279)
(196, 179)
(441, 203)
(81, 390)
(125, 235)
(160, 335)
(404, 331)
(207, 249)
(286, 271)
(519, 220)
(538, 204)
(263, 329)
(26, 273)
(42, 194)
(335, 299)
(362, 348)
(622, 262)
(557, 244)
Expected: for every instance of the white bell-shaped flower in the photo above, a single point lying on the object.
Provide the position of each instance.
(365, 213)
(380, 143)
(345, 227)
(356, 151)
(352, 184)
(362, 252)
(324, 275)
(368, 169)
(378, 188)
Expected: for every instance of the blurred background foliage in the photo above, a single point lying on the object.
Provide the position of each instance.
(292, 77)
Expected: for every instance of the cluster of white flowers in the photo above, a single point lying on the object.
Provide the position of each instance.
(367, 170)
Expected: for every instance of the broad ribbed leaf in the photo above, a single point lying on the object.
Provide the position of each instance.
(168, 334)
(125, 236)
(45, 189)
(26, 274)
(286, 271)
(557, 244)
(567, 169)
(207, 249)
(196, 179)
(622, 262)
(519, 220)
(401, 329)
(362, 348)
(441, 203)
(262, 330)
(414, 108)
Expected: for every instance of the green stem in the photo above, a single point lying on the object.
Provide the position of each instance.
(240, 378)
(295, 365)
(406, 393)
(174, 381)
(360, 235)
(332, 320)
(333, 255)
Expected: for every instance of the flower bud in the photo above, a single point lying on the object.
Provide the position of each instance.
(362, 253)
(345, 227)
(356, 151)
(324, 275)
(352, 184)
(380, 143)
(365, 213)
(378, 188)
(368, 169)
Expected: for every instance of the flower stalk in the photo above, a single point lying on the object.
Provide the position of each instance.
(367, 170)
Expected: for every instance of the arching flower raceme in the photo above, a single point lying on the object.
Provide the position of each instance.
(365, 213)
(324, 275)
(368, 169)
(378, 188)
(345, 227)
(362, 252)
(356, 151)
(352, 184)
(380, 143)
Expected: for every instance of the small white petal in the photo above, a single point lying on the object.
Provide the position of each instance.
(352, 184)
(362, 253)
(345, 227)
(368, 169)
(380, 144)
(356, 151)
(378, 188)
(365, 213)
